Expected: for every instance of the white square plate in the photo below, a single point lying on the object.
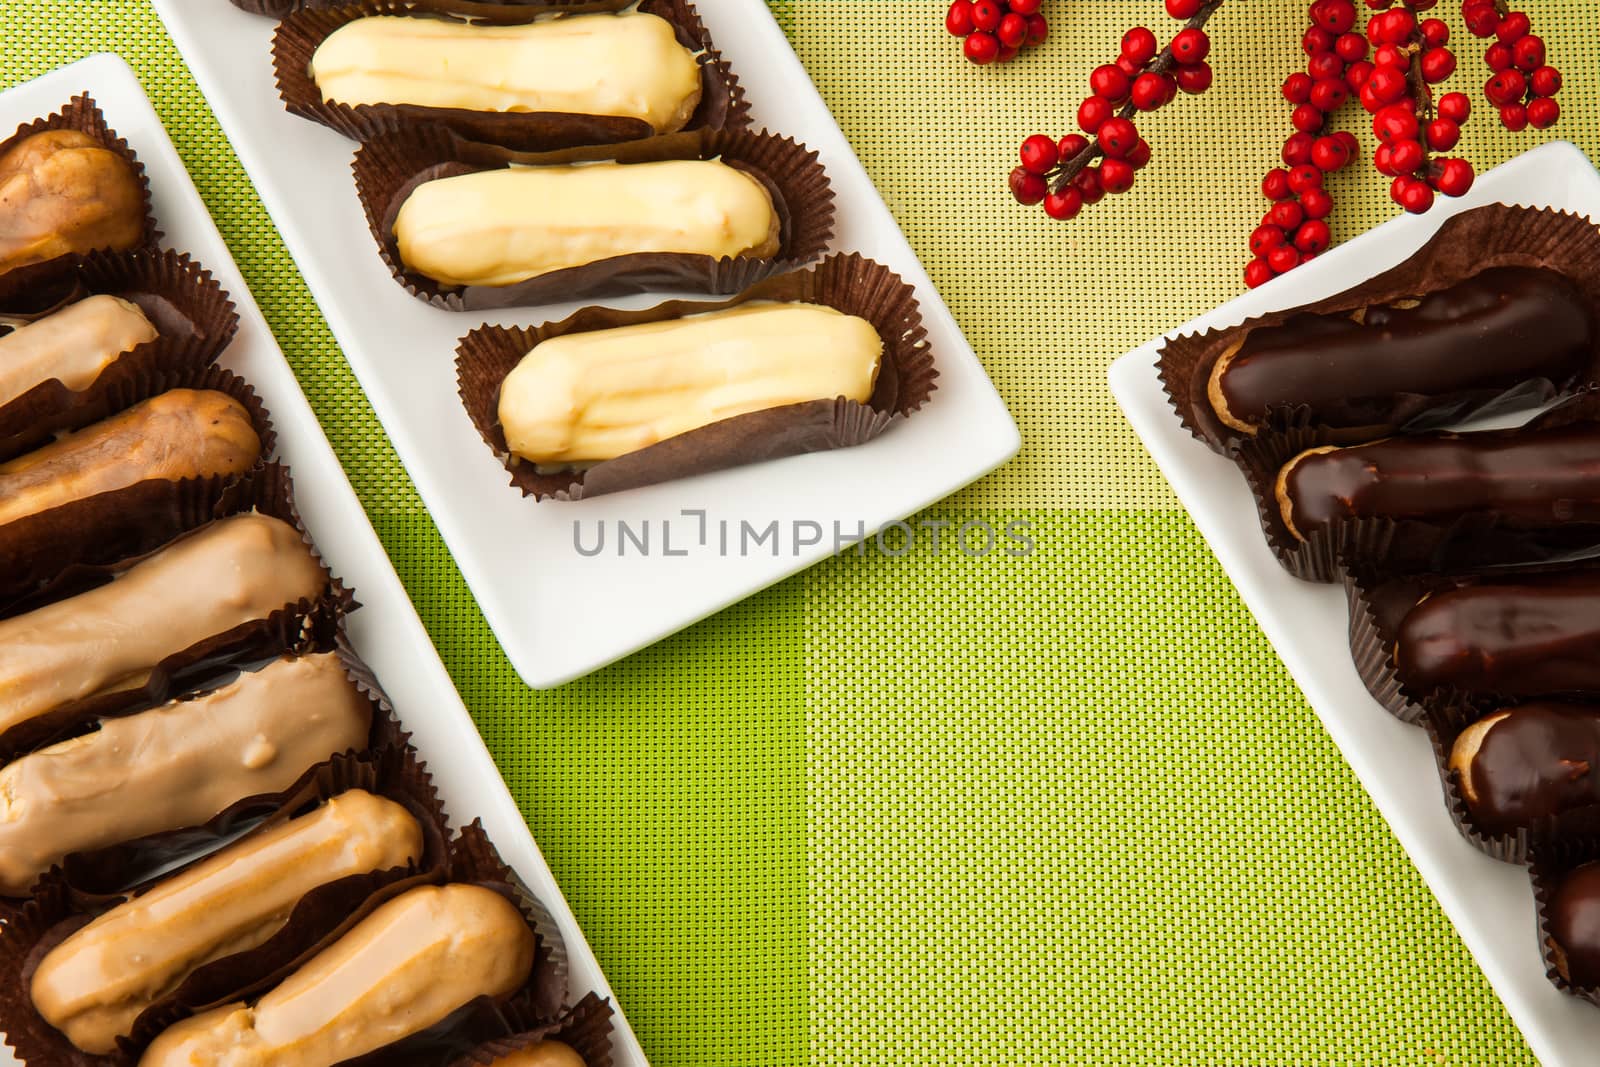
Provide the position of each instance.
(386, 631)
(1490, 903)
(558, 613)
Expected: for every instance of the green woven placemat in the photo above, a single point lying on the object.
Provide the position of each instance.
(1058, 809)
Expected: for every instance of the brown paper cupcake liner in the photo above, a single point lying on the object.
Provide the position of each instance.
(81, 114)
(296, 627)
(318, 919)
(195, 316)
(389, 167)
(586, 1028)
(1575, 843)
(850, 283)
(1468, 542)
(279, 9)
(1493, 236)
(121, 523)
(722, 103)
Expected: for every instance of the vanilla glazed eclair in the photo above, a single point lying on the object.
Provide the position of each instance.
(96, 982)
(177, 765)
(231, 572)
(404, 968)
(72, 345)
(182, 433)
(500, 227)
(595, 395)
(625, 65)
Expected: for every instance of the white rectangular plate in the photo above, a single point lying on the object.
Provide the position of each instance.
(558, 613)
(386, 631)
(1490, 903)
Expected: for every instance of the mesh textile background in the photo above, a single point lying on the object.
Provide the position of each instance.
(1059, 809)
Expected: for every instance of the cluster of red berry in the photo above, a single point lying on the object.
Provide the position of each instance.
(996, 30)
(1062, 175)
(1523, 85)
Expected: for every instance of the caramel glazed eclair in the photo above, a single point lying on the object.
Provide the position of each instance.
(228, 573)
(72, 345)
(623, 65)
(96, 982)
(184, 433)
(592, 396)
(501, 227)
(406, 967)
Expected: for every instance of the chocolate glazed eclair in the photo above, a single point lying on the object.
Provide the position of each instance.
(1522, 764)
(1383, 365)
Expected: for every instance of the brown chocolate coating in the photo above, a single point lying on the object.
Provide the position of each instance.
(1451, 348)
(1527, 763)
(62, 191)
(1573, 919)
(1526, 478)
(1535, 637)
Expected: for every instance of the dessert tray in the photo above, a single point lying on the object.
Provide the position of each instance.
(560, 612)
(1490, 903)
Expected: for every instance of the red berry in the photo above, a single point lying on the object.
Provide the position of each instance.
(1443, 135)
(1335, 16)
(1257, 273)
(1386, 85)
(1190, 46)
(1038, 31)
(1012, 31)
(1297, 88)
(1481, 18)
(1305, 177)
(1116, 175)
(1312, 236)
(1435, 32)
(1350, 47)
(1456, 107)
(1109, 82)
(1183, 9)
(1316, 41)
(1413, 194)
(1329, 154)
(1351, 144)
(1543, 113)
(1064, 205)
(958, 20)
(1307, 118)
(1455, 177)
(1546, 81)
(1008, 52)
(1297, 149)
(1391, 27)
(1513, 28)
(1071, 145)
(1316, 203)
(1529, 53)
(1039, 154)
(981, 48)
(1092, 113)
(1286, 214)
(1275, 186)
(1437, 65)
(1027, 187)
(1026, 7)
(1500, 57)
(1506, 87)
(1390, 55)
(1514, 117)
(1395, 122)
(1117, 137)
(1357, 74)
(1329, 94)
(1194, 80)
(1087, 183)
(1325, 65)
(1265, 239)
(986, 14)
(1140, 156)
(1383, 160)
(1149, 92)
(1139, 46)
(1283, 259)
(1406, 157)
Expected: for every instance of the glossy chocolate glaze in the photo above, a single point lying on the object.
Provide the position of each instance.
(1493, 331)
(1535, 637)
(1573, 919)
(1530, 478)
(1528, 763)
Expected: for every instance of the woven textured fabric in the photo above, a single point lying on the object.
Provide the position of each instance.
(1055, 809)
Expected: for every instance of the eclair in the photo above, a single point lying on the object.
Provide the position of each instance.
(1382, 366)
(231, 572)
(596, 395)
(1572, 917)
(624, 65)
(1520, 764)
(183, 433)
(176, 765)
(62, 191)
(72, 346)
(500, 227)
(402, 969)
(96, 982)
(543, 1054)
